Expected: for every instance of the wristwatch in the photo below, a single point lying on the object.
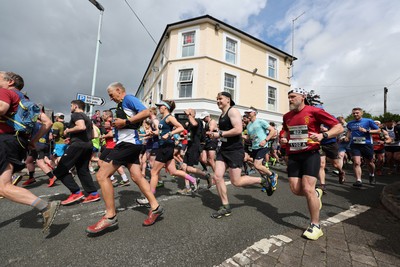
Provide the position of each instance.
(127, 122)
(325, 135)
(220, 133)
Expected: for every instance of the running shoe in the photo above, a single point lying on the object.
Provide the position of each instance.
(160, 184)
(49, 214)
(91, 198)
(52, 181)
(342, 177)
(124, 183)
(29, 181)
(195, 186)
(72, 199)
(222, 212)
(273, 161)
(16, 179)
(323, 188)
(313, 232)
(115, 182)
(335, 172)
(273, 180)
(103, 224)
(372, 180)
(319, 195)
(185, 192)
(142, 201)
(153, 216)
(266, 185)
(357, 184)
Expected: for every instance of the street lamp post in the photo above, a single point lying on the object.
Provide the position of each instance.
(101, 8)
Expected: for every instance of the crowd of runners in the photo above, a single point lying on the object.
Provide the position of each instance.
(139, 141)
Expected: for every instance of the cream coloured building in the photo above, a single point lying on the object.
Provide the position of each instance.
(197, 58)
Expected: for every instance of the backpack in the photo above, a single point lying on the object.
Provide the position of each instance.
(24, 119)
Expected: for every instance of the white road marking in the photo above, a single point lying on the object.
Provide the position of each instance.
(263, 246)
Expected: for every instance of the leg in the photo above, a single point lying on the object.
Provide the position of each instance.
(144, 186)
(107, 189)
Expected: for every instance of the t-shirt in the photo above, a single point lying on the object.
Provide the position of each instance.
(300, 125)
(257, 131)
(358, 137)
(59, 128)
(82, 136)
(131, 105)
(195, 133)
(11, 98)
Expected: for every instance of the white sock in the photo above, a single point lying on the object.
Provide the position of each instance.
(124, 177)
(112, 177)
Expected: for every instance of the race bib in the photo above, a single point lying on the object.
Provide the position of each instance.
(359, 140)
(223, 139)
(298, 137)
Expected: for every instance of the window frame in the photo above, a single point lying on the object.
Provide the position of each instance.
(275, 99)
(181, 34)
(269, 56)
(224, 49)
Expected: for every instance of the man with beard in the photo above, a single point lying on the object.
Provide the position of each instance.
(302, 134)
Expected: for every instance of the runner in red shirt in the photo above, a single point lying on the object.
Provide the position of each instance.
(302, 135)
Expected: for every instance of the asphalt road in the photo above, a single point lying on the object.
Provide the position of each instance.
(185, 236)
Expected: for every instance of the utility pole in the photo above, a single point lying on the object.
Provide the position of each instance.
(293, 20)
(385, 91)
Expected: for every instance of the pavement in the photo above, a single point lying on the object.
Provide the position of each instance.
(361, 236)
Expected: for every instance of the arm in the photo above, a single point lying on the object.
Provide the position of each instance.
(236, 121)
(332, 132)
(79, 127)
(4, 107)
(190, 114)
(46, 126)
(178, 127)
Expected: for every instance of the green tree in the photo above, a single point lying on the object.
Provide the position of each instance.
(388, 117)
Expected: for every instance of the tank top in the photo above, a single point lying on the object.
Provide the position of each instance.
(165, 128)
(392, 135)
(232, 142)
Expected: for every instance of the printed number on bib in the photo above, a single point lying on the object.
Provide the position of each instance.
(359, 140)
(298, 137)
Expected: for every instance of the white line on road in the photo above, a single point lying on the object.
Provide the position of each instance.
(263, 246)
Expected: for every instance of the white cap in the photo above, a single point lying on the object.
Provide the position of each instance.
(299, 91)
(59, 114)
(250, 110)
(204, 114)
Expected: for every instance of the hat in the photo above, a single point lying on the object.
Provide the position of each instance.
(59, 114)
(204, 114)
(163, 103)
(299, 91)
(250, 110)
(228, 95)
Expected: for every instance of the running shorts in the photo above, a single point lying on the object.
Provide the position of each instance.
(307, 163)
(366, 151)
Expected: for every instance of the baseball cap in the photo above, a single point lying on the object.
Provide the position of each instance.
(204, 114)
(163, 103)
(299, 91)
(59, 114)
(250, 110)
(228, 95)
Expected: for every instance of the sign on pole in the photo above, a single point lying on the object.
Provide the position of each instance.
(91, 100)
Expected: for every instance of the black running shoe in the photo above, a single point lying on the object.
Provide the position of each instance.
(357, 184)
(222, 212)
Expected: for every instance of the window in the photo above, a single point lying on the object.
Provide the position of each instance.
(185, 83)
(188, 44)
(272, 67)
(230, 50)
(271, 98)
(230, 84)
(162, 58)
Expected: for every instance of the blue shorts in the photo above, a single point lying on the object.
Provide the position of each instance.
(366, 151)
(59, 149)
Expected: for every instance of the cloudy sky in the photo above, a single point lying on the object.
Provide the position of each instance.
(347, 50)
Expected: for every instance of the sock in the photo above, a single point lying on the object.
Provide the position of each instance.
(112, 217)
(190, 178)
(50, 174)
(153, 191)
(31, 175)
(372, 174)
(112, 177)
(157, 208)
(317, 225)
(77, 192)
(124, 177)
(226, 206)
(94, 193)
(39, 204)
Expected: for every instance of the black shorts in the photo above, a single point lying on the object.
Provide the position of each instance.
(260, 153)
(124, 154)
(379, 151)
(211, 145)
(104, 153)
(306, 163)
(232, 158)
(330, 150)
(12, 152)
(165, 153)
(192, 155)
(392, 149)
(364, 150)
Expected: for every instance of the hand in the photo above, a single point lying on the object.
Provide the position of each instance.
(316, 137)
(119, 123)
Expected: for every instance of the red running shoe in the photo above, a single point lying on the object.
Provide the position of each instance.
(72, 199)
(91, 198)
(52, 181)
(102, 225)
(153, 216)
(29, 181)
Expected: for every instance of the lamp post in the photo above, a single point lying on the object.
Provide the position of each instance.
(293, 20)
(101, 8)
